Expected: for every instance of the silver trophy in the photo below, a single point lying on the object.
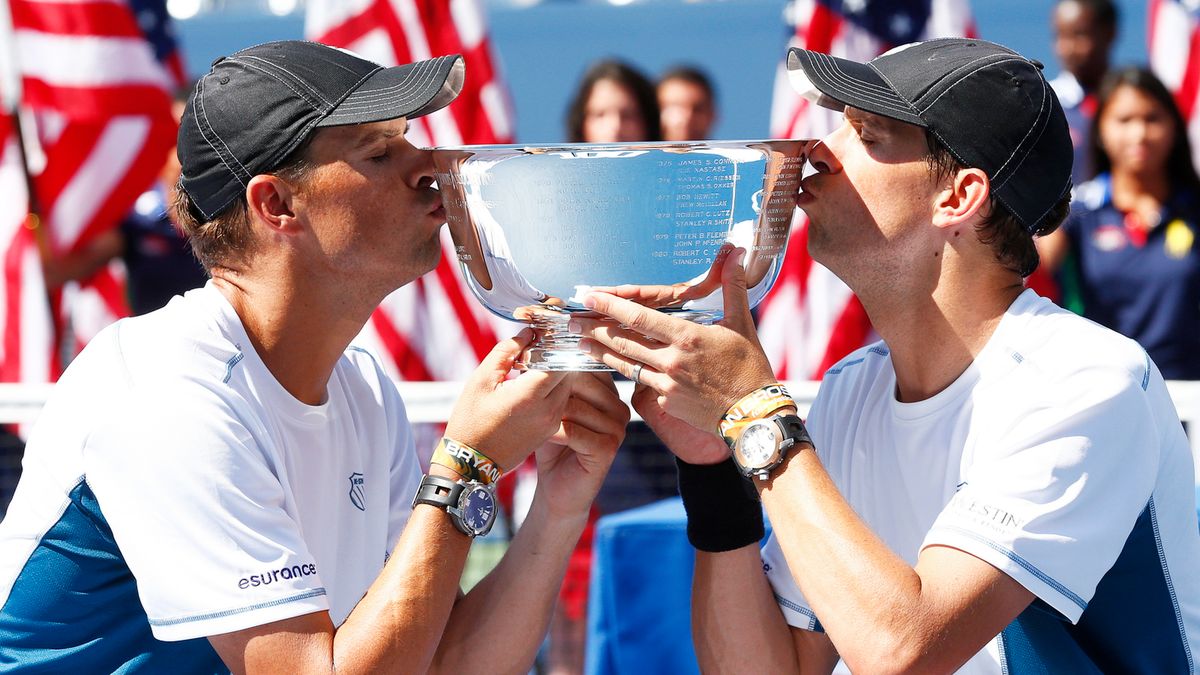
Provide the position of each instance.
(538, 227)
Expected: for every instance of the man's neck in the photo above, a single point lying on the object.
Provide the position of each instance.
(1144, 192)
(298, 329)
(933, 338)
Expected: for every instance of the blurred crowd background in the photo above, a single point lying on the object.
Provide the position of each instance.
(544, 46)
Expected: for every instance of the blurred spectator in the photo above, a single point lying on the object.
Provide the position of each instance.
(688, 104)
(158, 260)
(1132, 230)
(613, 104)
(1084, 31)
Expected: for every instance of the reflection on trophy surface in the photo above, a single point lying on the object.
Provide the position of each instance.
(537, 227)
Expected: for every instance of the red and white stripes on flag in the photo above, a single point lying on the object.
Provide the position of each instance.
(102, 107)
(810, 319)
(1174, 46)
(25, 354)
(432, 329)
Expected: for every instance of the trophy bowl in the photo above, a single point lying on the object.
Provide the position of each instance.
(536, 227)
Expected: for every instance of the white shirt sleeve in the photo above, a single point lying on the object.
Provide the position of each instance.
(199, 515)
(1052, 499)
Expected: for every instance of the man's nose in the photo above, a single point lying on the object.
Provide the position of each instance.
(821, 157)
(424, 169)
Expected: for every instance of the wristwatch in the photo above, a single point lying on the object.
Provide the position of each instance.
(471, 504)
(764, 444)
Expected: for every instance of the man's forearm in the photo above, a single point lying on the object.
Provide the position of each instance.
(928, 619)
(499, 625)
(398, 624)
(736, 625)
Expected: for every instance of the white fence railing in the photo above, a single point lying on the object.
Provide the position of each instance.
(433, 401)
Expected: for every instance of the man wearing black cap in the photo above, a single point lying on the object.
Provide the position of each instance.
(998, 485)
(224, 484)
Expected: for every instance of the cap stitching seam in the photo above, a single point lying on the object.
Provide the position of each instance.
(968, 74)
(401, 88)
(851, 84)
(830, 65)
(314, 104)
(1038, 122)
(296, 141)
(869, 93)
(334, 110)
(911, 107)
(1066, 188)
(300, 81)
(945, 144)
(365, 105)
(220, 155)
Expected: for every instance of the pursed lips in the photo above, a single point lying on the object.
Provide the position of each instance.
(436, 206)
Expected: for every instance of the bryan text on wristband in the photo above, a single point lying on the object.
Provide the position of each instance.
(466, 461)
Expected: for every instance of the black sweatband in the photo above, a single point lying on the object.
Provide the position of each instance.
(723, 510)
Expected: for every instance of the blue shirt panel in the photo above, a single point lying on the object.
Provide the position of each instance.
(74, 607)
(1079, 122)
(1150, 293)
(1131, 624)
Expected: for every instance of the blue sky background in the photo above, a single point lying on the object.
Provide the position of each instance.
(544, 48)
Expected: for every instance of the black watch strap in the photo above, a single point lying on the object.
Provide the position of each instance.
(794, 429)
(437, 491)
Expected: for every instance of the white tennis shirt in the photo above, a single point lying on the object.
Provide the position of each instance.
(173, 489)
(1058, 458)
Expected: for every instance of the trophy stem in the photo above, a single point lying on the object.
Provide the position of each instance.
(556, 348)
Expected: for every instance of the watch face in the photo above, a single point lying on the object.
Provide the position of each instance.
(758, 445)
(478, 509)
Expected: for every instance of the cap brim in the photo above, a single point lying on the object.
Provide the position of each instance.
(835, 83)
(410, 90)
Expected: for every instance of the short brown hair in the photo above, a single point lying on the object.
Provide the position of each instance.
(1008, 237)
(224, 240)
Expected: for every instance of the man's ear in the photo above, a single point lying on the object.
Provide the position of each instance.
(966, 195)
(269, 199)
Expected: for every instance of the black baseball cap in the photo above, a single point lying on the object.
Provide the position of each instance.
(988, 105)
(255, 107)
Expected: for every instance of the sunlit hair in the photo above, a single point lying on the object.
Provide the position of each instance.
(1180, 170)
(225, 240)
(625, 76)
(1009, 239)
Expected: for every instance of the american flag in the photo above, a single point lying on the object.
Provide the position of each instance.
(431, 329)
(94, 79)
(810, 319)
(24, 353)
(1175, 57)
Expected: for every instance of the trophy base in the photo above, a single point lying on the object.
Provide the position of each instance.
(556, 348)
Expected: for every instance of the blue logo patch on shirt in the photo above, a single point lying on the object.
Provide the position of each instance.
(356, 491)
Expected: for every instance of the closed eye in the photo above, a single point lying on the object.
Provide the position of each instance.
(864, 136)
